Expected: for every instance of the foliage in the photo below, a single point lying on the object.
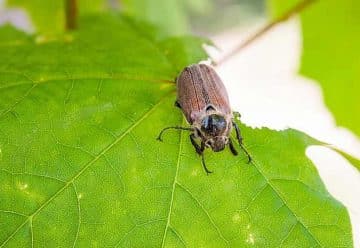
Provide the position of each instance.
(331, 43)
(48, 16)
(80, 164)
(171, 16)
(354, 161)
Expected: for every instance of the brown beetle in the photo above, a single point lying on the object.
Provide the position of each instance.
(202, 97)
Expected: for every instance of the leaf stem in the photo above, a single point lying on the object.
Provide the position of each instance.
(288, 14)
(71, 10)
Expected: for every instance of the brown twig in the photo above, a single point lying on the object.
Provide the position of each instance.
(71, 14)
(293, 11)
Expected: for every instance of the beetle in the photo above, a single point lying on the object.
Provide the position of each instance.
(203, 99)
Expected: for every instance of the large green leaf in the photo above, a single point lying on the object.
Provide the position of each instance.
(80, 164)
(331, 44)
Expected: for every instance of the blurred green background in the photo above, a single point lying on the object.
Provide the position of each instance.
(174, 17)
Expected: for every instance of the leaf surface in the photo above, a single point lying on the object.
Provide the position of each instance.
(80, 164)
(331, 52)
(354, 161)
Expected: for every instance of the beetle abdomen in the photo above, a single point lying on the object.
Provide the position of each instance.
(198, 87)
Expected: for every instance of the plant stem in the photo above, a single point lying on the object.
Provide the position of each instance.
(288, 14)
(71, 14)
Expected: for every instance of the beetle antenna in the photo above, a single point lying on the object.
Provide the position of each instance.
(288, 14)
(204, 165)
(174, 127)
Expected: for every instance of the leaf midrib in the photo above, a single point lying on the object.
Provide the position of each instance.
(173, 189)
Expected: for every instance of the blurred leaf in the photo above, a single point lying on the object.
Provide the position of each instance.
(199, 7)
(48, 16)
(352, 160)
(331, 44)
(170, 16)
(80, 164)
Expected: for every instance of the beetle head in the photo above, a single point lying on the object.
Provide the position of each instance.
(215, 128)
(218, 143)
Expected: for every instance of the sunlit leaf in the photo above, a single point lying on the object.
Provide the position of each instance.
(80, 164)
(331, 52)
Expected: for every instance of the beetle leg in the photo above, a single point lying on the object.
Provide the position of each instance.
(236, 114)
(204, 165)
(199, 150)
(174, 127)
(238, 133)
(177, 104)
(232, 148)
(239, 138)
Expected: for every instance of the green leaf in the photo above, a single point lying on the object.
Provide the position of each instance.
(172, 17)
(331, 44)
(168, 15)
(354, 161)
(48, 17)
(80, 164)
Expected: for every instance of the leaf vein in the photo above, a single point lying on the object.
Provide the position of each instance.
(205, 211)
(288, 235)
(13, 212)
(136, 226)
(16, 230)
(283, 200)
(79, 215)
(32, 232)
(12, 107)
(178, 236)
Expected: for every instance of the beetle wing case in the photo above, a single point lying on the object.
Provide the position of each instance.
(199, 90)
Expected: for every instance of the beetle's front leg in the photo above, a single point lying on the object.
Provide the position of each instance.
(238, 133)
(232, 148)
(177, 104)
(240, 139)
(200, 151)
(204, 165)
